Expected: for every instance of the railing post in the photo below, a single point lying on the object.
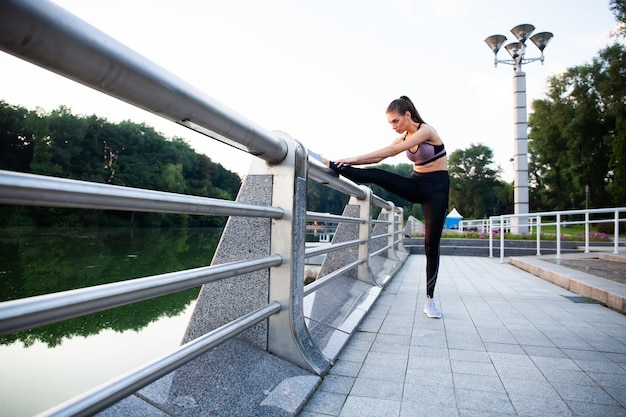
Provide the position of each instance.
(501, 239)
(616, 235)
(365, 232)
(586, 231)
(538, 230)
(558, 235)
(398, 223)
(391, 231)
(288, 336)
(490, 237)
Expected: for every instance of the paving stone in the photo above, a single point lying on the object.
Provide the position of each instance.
(587, 393)
(508, 344)
(544, 362)
(595, 410)
(372, 388)
(337, 384)
(325, 403)
(529, 387)
(474, 368)
(429, 394)
(478, 382)
(484, 401)
(539, 406)
(469, 355)
(370, 407)
(345, 368)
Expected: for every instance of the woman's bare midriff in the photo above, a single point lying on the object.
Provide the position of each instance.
(440, 164)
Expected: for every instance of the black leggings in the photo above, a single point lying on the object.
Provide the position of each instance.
(429, 189)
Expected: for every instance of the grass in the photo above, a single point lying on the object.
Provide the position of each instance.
(566, 235)
(579, 229)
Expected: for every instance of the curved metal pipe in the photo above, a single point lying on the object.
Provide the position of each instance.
(49, 36)
(40, 190)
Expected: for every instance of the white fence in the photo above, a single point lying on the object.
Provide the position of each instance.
(535, 221)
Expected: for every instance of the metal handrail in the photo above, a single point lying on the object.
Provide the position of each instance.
(325, 175)
(40, 190)
(320, 250)
(42, 33)
(377, 201)
(320, 282)
(40, 310)
(381, 250)
(312, 216)
(117, 389)
(47, 35)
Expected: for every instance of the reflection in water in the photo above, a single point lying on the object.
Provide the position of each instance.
(38, 378)
(35, 261)
(52, 358)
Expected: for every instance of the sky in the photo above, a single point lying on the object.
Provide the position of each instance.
(324, 71)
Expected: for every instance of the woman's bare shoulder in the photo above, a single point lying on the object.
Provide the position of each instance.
(433, 135)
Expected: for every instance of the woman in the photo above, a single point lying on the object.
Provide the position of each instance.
(428, 183)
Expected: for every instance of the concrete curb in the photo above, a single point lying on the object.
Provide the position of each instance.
(610, 293)
(613, 258)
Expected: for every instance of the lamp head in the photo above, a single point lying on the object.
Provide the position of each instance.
(514, 49)
(541, 39)
(495, 42)
(522, 32)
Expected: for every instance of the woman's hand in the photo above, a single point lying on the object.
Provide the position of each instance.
(344, 162)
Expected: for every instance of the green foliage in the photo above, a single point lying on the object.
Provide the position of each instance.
(93, 149)
(578, 136)
(475, 190)
(618, 7)
(16, 149)
(324, 199)
(609, 228)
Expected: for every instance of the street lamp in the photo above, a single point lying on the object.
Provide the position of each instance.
(517, 50)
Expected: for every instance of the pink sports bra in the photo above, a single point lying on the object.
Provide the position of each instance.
(426, 152)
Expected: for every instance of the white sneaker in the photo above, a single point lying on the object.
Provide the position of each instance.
(431, 310)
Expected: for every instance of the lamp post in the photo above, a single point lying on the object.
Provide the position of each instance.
(517, 50)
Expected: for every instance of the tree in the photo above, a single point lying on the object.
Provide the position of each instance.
(504, 192)
(93, 149)
(547, 167)
(618, 7)
(16, 149)
(473, 181)
(612, 86)
(577, 135)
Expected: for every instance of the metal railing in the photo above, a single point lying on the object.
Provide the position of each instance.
(48, 36)
(501, 224)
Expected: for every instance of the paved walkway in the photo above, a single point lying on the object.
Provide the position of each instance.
(509, 344)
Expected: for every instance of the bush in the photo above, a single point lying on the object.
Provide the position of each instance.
(609, 227)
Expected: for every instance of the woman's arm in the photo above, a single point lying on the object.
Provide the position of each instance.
(400, 144)
(370, 157)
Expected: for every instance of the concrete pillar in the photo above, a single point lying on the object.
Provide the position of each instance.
(520, 156)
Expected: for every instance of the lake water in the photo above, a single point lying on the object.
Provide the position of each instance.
(42, 367)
